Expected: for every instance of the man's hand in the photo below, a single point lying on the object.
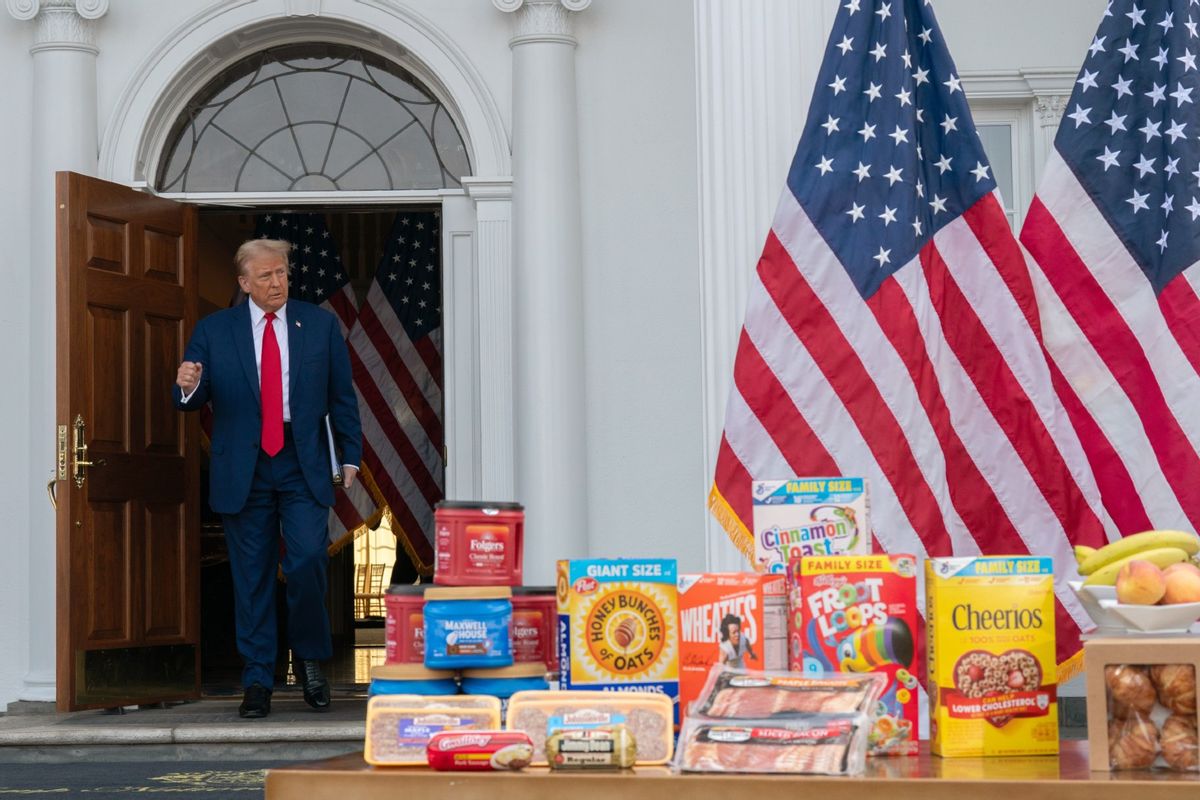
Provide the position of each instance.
(188, 376)
(348, 476)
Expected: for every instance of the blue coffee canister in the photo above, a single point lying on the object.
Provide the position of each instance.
(468, 627)
(504, 682)
(411, 679)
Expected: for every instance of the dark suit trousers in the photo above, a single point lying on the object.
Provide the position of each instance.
(279, 501)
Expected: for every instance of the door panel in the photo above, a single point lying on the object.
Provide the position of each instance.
(128, 534)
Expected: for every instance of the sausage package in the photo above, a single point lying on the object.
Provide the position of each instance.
(399, 726)
(648, 717)
(739, 694)
(815, 745)
(474, 751)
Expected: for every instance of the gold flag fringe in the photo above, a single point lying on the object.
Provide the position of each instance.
(738, 533)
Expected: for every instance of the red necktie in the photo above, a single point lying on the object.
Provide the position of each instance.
(271, 390)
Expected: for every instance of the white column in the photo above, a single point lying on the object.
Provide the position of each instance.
(64, 138)
(756, 64)
(1048, 112)
(494, 249)
(548, 286)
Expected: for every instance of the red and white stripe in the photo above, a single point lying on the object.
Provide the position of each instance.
(1128, 358)
(400, 403)
(936, 389)
(353, 506)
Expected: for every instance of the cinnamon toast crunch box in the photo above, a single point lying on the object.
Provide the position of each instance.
(618, 625)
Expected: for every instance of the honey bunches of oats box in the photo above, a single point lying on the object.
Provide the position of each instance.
(991, 660)
(618, 625)
(859, 614)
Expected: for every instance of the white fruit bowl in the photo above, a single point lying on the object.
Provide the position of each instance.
(1091, 597)
(1177, 618)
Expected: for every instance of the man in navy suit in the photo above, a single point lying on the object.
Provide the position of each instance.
(272, 369)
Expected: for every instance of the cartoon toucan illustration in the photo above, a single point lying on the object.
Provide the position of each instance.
(873, 646)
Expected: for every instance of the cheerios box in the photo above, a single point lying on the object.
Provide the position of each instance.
(808, 517)
(738, 619)
(859, 614)
(989, 645)
(618, 625)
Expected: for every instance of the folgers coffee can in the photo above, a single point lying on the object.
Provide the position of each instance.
(535, 617)
(404, 626)
(478, 544)
(479, 750)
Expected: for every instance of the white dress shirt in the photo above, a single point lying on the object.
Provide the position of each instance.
(258, 325)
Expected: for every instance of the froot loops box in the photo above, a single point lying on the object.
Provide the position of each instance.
(859, 614)
(618, 625)
(808, 517)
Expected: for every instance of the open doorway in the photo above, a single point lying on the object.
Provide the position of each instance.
(386, 540)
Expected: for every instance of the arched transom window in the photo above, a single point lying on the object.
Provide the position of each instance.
(313, 117)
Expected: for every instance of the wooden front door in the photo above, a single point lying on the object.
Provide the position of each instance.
(128, 524)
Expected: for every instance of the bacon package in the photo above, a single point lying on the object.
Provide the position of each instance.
(817, 745)
(733, 694)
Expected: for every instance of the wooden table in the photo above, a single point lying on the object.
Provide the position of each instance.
(920, 778)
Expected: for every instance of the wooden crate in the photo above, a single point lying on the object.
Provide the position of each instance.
(1140, 651)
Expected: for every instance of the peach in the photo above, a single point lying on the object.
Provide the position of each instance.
(1182, 585)
(1181, 566)
(1140, 583)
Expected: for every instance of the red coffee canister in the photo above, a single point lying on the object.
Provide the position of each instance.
(534, 626)
(404, 628)
(479, 544)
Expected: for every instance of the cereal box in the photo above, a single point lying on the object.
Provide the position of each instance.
(808, 517)
(733, 618)
(990, 650)
(618, 625)
(859, 614)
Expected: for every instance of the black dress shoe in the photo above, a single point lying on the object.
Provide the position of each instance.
(316, 688)
(256, 702)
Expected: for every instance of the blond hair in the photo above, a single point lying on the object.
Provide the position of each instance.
(252, 248)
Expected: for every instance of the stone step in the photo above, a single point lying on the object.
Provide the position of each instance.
(208, 729)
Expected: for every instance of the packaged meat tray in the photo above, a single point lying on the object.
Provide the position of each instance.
(815, 745)
(399, 726)
(648, 717)
(755, 695)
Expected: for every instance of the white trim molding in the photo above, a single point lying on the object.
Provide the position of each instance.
(1040, 92)
(494, 341)
(209, 41)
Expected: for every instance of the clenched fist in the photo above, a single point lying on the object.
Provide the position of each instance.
(188, 376)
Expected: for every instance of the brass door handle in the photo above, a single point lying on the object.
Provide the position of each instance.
(80, 462)
(51, 486)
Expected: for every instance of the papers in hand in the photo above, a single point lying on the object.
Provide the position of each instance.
(335, 465)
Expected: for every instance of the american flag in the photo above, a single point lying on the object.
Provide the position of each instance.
(1112, 239)
(318, 277)
(892, 331)
(396, 353)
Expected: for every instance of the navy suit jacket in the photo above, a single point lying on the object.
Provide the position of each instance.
(319, 383)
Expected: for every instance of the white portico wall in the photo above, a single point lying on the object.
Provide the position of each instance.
(18, 483)
(63, 138)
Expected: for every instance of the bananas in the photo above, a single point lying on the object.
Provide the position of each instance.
(1083, 552)
(1134, 544)
(1159, 557)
